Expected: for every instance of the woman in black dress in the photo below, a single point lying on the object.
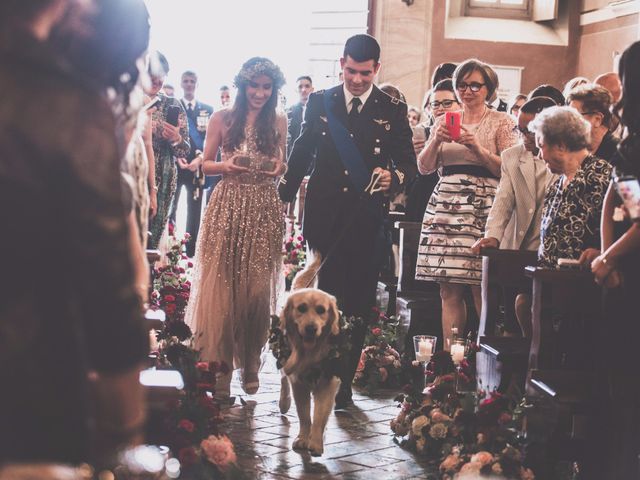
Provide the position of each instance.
(617, 389)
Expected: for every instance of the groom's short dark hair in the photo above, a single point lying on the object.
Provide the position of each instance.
(361, 48)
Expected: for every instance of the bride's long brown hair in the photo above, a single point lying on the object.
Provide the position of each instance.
(267, 135)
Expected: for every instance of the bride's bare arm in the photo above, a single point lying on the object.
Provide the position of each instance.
(212, 144)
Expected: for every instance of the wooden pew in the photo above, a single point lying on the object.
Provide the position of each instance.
(501, 359)
(566, 307)
(418, 305)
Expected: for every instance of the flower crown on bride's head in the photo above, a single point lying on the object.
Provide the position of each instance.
(259, 66)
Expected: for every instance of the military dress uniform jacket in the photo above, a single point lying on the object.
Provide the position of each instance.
(383, 137)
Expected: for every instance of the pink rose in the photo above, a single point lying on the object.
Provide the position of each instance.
(218, 450)
(450, 463)
(483, 458)
(186, 425)
(202, 366)
(471, 468)
(439, 417)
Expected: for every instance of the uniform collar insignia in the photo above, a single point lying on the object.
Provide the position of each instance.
(380, 121)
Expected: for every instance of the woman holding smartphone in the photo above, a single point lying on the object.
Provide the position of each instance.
(465, 147)
(615, 435)
(239, 249)
(170, 139)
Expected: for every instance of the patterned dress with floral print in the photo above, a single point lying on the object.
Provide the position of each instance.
(571, 216)
(457, 211)
(166, 170)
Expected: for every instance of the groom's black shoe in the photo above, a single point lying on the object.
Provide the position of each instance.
(343, 399)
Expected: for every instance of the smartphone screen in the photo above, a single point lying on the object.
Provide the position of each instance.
(173, 114)
(453, 121)
(629, 191)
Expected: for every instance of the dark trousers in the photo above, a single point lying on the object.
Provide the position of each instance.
(194, 209)
(351, 275)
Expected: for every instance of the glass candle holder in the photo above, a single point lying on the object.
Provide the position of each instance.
(425, 347)
(458, 347)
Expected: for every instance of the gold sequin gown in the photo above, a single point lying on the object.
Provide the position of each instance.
(238, 266)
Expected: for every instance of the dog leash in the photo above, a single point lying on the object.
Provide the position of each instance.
(370, 189)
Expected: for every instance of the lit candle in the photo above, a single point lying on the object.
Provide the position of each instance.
(457, 353)
(425, 349)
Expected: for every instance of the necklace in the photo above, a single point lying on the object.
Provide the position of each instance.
(484, 114)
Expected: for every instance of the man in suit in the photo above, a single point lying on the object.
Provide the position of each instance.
(198, 114)
(295, 113)
(514, 219)
(352, 130)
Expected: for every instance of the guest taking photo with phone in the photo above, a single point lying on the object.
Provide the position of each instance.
(465, 147)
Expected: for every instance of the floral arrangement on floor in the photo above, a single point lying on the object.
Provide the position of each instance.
(380, 364)
(192, 425)
(331, 365)
(464, 432)
(171, 284)
(294, 254)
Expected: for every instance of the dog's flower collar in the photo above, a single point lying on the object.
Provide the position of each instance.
(330, 366)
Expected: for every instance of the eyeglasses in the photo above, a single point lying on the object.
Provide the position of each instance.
(474, 86)
(443, 104)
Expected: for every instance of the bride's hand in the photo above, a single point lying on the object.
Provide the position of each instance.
(278, 169)
(230, 168)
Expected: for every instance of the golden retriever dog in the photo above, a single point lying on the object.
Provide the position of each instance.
(308, 319)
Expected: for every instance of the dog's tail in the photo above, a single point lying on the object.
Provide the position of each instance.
(308, 277)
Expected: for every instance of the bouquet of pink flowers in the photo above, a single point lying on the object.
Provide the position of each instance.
(379, 364)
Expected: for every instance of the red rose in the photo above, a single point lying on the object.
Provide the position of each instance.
(376, 331)
(187, 456)
(190, 264)
(170, 228)
(169, 298)
(170, 309)
(202, 366)
(186, 425)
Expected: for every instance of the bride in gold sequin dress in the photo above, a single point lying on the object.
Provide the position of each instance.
(239, 249)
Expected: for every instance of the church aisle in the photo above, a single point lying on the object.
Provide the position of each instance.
(358, 441)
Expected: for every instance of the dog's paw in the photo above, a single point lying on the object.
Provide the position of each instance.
(315, 447)
(301, 443)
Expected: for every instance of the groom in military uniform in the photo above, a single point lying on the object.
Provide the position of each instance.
(359, 136)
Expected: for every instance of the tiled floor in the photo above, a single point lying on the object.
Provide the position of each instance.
(358, 441)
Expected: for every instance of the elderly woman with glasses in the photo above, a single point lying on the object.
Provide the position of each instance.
(570, 225)
(469, 167)
(594, 103)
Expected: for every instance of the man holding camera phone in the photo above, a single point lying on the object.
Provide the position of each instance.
(352, 130)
